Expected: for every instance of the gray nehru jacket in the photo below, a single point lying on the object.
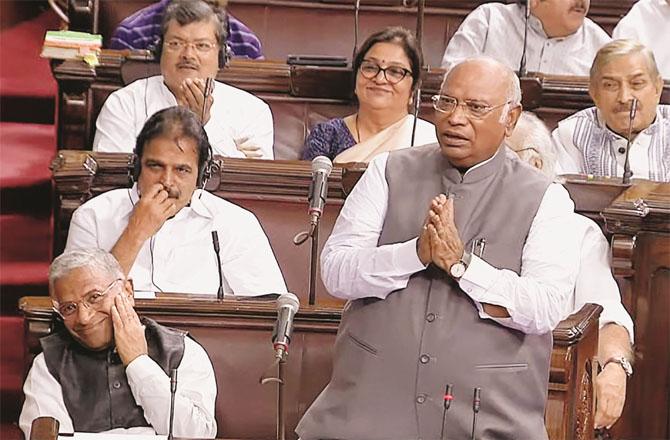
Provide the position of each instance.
(394, 356)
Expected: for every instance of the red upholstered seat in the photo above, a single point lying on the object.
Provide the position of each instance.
(25, 153)
(11, 375)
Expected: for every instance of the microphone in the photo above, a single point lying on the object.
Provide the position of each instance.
(287, 306)
(173, 391)
(318, 190)
(522, 66)
(215, 243)
(627, 173)
(476, 403)
(448, 397)
(357, 8)
(209, 85)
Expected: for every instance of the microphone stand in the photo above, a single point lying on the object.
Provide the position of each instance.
(627, 172)
(522, 67)
(313, 235)
(357, 7)
(173, 391)
(280, 361)
(419, 41)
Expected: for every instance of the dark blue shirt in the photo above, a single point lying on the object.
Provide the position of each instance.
(328, 139)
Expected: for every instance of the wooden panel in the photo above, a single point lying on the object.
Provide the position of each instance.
(640, 222)
(236, 334)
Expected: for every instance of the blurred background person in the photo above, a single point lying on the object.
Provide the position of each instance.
(648, 22)
(561, 40)
(143, 29)
(387, 69)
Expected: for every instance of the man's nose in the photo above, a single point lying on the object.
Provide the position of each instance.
(167, 178)
(458, 116)
(625, 94)
(84, 314)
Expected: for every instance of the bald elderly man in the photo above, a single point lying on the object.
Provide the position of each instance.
(458, 263)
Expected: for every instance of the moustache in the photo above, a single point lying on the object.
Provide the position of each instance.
(626, 107)
(187, 65)
(173, 193)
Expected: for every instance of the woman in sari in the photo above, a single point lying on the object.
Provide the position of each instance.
(387, 69)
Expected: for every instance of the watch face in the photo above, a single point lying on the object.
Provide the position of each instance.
(457, 269)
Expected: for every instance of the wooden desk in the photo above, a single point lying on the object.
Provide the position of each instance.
(236, 335)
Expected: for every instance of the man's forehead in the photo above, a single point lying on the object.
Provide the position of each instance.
(194, 30)
(78, 282)
(171, 147)
(474, 82)
(625, 66)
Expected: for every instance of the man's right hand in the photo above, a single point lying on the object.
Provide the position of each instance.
(423, 243)
(149, 214)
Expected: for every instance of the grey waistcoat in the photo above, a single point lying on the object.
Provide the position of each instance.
(393, 357)
(95, 388)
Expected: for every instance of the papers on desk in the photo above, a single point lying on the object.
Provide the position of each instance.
(104, 435)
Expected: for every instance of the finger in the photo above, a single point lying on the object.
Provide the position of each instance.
(161, 195)
(170, 209)
(121, 308)
(449, 210)
(190, 93)
(153, 190)
(116, 318)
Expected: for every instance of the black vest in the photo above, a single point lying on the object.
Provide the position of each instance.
(95, 388)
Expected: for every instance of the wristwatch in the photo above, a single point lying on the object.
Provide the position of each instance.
(621, 360)
(457, 270)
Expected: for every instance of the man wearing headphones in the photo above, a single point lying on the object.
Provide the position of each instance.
(161, 230)
(192, 49)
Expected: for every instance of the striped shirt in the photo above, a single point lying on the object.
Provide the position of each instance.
(586, 146)
(143, 29)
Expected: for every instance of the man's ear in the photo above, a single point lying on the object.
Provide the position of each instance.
(129, 291)
(659, 87)
(512, 118)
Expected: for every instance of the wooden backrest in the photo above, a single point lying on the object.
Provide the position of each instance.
(326, 27)
(236, 335)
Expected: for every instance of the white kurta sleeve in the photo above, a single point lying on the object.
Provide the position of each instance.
(536, 299)
(114, 129)
(44, 398)
(194, 400)
(83, 232)
(247, 260)
(569, 158)
(352, 265)
(469, 39)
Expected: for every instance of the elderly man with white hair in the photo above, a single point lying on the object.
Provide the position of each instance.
(594, 140)
(458, 263)
(532, 141)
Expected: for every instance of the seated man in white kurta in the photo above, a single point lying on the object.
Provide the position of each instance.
(193, 47)
(560, 41)
(594, 140)
(160, 230)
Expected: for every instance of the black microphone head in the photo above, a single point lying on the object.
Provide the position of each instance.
(288, 300)
(322, 164)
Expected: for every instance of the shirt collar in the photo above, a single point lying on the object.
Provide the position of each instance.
(535, 25)
(196, 206)
(649, 131)
(476, 172)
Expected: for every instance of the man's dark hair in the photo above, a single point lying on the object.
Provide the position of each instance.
(190, 11)
(177, 122)
(396, 35)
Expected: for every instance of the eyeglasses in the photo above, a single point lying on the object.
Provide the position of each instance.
(199, 46)
(474, 109)
(92, 301)
(392, 74)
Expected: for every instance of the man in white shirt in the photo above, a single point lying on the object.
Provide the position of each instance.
(461, 290)
(594, 140)
(161, 230)
(561, 40)
(648, 22)
(237, 123)
(532, 141)
(109, 370)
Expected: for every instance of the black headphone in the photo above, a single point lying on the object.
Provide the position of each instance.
(206, 166)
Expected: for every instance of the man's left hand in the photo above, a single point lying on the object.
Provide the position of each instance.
(249, 148)
(610, 395)
(128, 331)
(445, 242)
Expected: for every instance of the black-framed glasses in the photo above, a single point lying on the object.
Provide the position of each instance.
(474, 109)
(92, 300)
(201, 46)
(392, 74)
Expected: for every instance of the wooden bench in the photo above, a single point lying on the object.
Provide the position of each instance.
(237, 334)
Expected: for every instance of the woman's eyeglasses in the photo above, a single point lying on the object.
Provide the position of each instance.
(392, 74)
